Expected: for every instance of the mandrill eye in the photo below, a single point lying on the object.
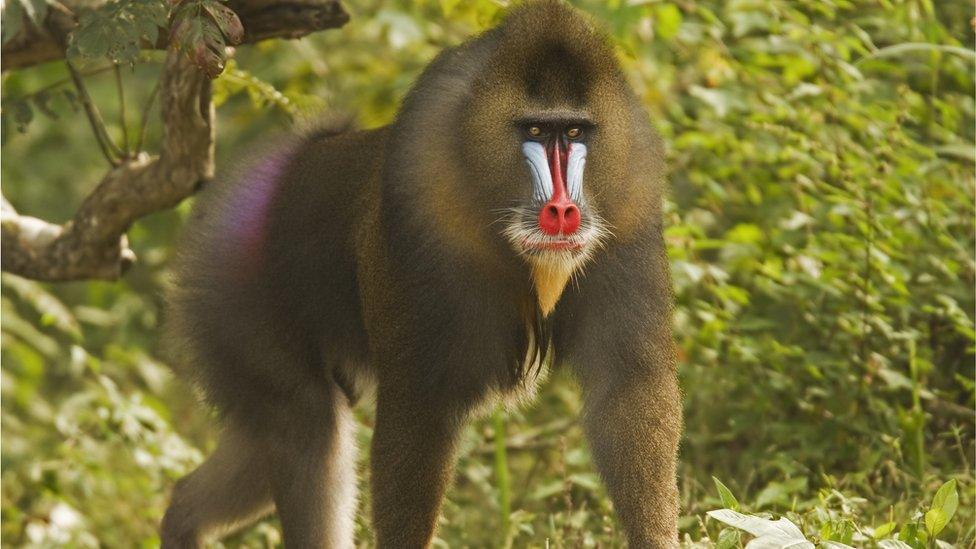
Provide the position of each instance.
(574, 133)
(535, 131)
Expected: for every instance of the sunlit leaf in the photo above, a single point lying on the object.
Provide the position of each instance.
(769, 534)
(935, 521)
(728, 499)
(884, 530)
(946, 499)
(667, 20)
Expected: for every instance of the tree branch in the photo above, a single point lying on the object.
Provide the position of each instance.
(93, 243)
(144, 117)
(109, 150)
(262, 19)
(122, 117)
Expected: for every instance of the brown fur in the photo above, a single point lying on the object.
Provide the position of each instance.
(385, 259)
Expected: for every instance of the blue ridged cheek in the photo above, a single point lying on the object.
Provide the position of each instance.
(538, 161)
(574, 171)
(535, 157)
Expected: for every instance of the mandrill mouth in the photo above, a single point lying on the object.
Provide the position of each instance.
(555, 245)
(530, 241)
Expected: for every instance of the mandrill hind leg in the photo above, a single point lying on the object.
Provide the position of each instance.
(227, 492)
(302, 462)
(313, 469)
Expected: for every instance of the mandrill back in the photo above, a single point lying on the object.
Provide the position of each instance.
(266, 276)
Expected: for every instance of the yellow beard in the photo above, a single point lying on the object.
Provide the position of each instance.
(550, 281)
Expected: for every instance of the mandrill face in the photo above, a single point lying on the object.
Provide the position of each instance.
(547, 149)
(543, 139)
(541, 159)
(556, 225)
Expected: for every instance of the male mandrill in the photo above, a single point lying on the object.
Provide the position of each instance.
(438, 261)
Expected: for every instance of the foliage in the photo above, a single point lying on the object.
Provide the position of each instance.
(203, 29)
(821, 232)
(833, 533)
(16, 13)
(117, 29)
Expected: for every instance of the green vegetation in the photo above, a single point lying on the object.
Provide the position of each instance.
(821, 229)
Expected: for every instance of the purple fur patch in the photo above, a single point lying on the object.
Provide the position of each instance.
(244, 218)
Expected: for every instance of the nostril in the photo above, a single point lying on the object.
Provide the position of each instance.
(571, 219)
(549, 219)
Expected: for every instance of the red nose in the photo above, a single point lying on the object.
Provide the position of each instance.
(559, 216)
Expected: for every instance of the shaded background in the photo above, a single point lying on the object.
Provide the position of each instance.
(821, 233)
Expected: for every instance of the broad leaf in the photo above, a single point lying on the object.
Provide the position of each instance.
(728, 538)
(947, 499)
(884, 530)
(935, 521)
(769, 534)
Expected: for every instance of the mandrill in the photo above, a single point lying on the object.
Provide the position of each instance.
(510, 216)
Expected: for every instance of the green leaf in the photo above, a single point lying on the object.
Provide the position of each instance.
(728, 499)
(957, 150)
(728, 538)
(910, 534)
(779, 493)
(52, 311)
(946, 499)
(117, 29)
(234, 80)
(915, 47)
(22, 113)
(745, 233)
(667, 20)
(884, 530)
(447, 6)
(13, 21)
(935, 521)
